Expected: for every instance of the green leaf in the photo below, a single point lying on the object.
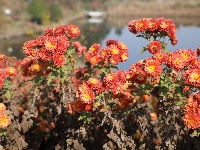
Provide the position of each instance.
(8, 95)
(143, 50)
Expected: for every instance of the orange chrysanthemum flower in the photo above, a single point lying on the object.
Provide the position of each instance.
(95, 84)
(192, 120)
(35, 68)
(72, 31)
(154, 47)
(10, 71)
(4, 121)
(175, 61)
(87, 96)
(192, 76)
(58, 60)
(93, 51)
(153, 67)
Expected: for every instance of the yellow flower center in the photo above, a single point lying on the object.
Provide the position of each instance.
(49, 45)
(86, 96)
(93, 81)
(36, 67)
(74, 30)
(163, 25)
(152, 68)
(195, 76)
(115, 51)
(177, 62)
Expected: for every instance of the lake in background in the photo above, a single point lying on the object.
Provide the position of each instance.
(98, 31)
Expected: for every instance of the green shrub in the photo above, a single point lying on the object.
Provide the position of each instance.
(55, 12)
(37, 9)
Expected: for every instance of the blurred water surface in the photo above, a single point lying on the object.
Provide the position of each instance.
(98, 31)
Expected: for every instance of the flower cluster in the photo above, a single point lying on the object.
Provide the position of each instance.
(114, 53)
(153, 27)
(4, 119)
(50, 49)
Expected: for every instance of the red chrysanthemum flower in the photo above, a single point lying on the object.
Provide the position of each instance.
(110, 80)
(93, 50)
(83, 87)
(60, 30)
(187, 54)
(153, 67)
(124, 56)
(58, 60)
(194, 64)
(110, 42)
(122, 76)
(78, 106)
(122, 47)
(154, 47)
(152, 25)
(49, 32)
(62, 44)
(140, 76)
(45, 55)
(95, 60)
(161, 57)
(11, 72)
(29, 46)
(114, 60)
(113, 49)
(131, 26)
(72, 31)
(50, 44)
(163, 24)
(141, 25)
